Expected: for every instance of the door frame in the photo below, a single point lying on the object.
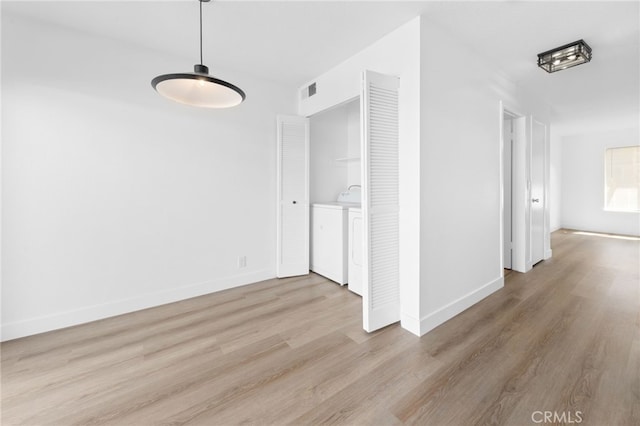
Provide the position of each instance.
(520, 189)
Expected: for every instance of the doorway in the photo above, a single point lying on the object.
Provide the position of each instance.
(515, 190)
(379, 173)
(524, 223)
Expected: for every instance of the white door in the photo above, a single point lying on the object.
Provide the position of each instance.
(538, 131)
(379, 117)
(520, 195)
(507, 162)
(293, 196)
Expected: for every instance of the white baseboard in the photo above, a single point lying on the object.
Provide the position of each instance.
(14, 330)
(434, 319)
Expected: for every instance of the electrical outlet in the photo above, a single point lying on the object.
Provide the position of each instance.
(242, 261)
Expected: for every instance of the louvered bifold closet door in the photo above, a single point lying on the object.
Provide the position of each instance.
(292, 196)
(380, 169)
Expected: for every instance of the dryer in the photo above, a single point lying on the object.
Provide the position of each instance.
(355, 250)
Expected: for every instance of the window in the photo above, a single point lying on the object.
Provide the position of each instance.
(622, 179)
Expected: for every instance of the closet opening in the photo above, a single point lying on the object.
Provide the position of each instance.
(335, 196)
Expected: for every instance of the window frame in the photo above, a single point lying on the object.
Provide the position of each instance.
(606, 207)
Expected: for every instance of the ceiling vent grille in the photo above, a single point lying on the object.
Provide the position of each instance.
(308, 91)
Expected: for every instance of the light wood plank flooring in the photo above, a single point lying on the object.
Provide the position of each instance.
(563, 338)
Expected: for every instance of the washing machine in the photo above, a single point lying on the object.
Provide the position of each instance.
(330, 236)
(329, 241)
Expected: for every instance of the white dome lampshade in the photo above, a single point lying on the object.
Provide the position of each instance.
(198, 88)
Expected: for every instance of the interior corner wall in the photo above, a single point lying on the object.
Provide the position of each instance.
(354, 163)
(583, 182)
(334, 146)
(397, 53)
(460, 162)
(329, 141)
(115, 199)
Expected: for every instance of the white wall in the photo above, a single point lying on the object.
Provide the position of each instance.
(398, 53)
(331, 143)
(354, 164)
(450, 151)
(583, 182)
(115, 199)
(460, 258)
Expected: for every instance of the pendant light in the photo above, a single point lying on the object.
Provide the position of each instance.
(198, 88)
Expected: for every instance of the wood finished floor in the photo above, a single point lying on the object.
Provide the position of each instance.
(564, 337)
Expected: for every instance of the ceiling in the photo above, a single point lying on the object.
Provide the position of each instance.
(294, 41)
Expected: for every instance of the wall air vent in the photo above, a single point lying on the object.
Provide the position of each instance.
(308, 91)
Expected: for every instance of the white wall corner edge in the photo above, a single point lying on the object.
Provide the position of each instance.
(15, 330)
(548, 254)
(411, 324)
(434, 319)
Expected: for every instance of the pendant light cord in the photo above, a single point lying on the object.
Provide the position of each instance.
(201, 32)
